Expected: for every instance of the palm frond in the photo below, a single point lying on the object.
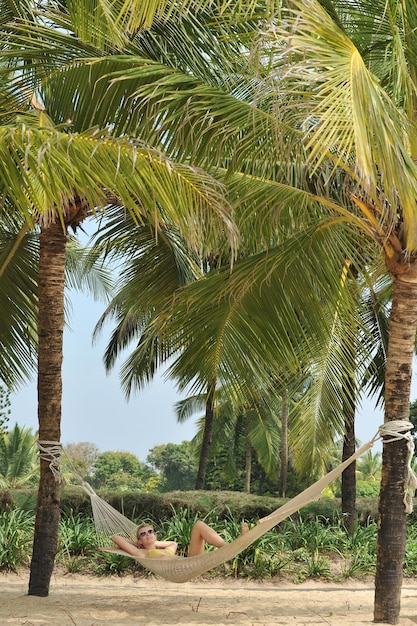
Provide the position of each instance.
(280, 286)
(184, 409)
(85, 270)
(43, 167)
(351, 113)
(18, 300)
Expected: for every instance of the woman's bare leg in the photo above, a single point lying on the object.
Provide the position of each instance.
(202, 534)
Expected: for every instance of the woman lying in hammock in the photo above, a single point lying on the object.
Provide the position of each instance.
(147, 545)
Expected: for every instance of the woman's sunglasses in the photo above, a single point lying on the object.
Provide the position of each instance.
(143, 533)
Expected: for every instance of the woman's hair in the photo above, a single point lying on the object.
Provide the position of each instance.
(139, 528)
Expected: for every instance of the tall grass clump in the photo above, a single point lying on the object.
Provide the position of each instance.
(410, 564)
(16, 535)
(77, 536)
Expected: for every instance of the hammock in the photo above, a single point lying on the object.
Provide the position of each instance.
(108, 521)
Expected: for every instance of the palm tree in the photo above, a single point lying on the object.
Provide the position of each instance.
(53, 240)
(359, 61)
(369, 466)
(345, 111)
(256, 428)
(159, 59)
(55, 178)
(356, 134)
(227, 88)
(19, 465)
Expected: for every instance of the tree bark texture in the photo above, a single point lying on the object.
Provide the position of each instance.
(50, 328)
(392, 517)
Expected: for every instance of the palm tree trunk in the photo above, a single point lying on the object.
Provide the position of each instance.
(349, 475)
(50, 328)
(207, 438)
(349, 443)
(284, 445)
(392, 518)
(248, 458)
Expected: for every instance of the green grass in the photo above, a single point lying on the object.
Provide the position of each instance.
(16, 531)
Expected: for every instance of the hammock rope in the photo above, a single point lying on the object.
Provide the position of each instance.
(108, 521)
(51, 451)
(394, 431)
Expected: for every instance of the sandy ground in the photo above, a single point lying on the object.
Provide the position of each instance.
(76, 600)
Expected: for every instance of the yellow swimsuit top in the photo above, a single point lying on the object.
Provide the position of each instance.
(155, 553)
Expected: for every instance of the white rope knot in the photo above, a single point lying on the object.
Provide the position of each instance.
(50, 451)
(396, 430)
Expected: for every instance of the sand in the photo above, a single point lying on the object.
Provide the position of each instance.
(77, 600)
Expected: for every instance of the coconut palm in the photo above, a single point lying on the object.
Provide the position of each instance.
(359, 133)
(369, 466)
(52, 241)
(256, 427)
(167, 56)
(345, 108)
(19, 465)
(55, 178)
(227, 80)
(225, 86)
(361, 64)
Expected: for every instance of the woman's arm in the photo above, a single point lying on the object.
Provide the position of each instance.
(129, 546)
(167, 544)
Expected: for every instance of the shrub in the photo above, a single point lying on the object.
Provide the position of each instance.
(16, 531)
(77, 536)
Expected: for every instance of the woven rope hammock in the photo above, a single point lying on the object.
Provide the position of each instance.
(108, 521)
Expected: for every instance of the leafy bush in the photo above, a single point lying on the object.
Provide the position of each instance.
(139, 505)
(77, 536)
(367, 488)
(16, 532)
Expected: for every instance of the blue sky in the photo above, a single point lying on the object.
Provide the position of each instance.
(94, 406)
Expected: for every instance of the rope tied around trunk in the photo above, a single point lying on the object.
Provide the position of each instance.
(394, 431)
(50, 451)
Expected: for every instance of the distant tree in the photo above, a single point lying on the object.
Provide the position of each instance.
(81, 458)
(177, 463)
(368, 472)
(369, 467)
(222, 476)
(4, 408)
(18, 458)
(121, 471)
